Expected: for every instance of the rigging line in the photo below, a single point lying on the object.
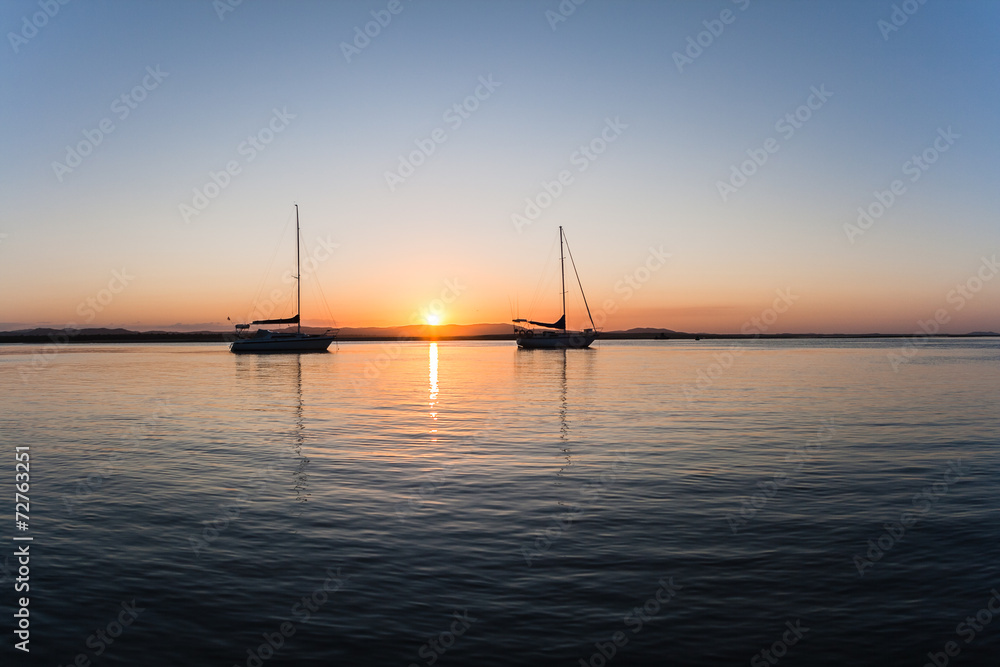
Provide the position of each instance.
(263, 278)
(326, 304)
(288, 303)
(319, 286)
(541, 279)
(282, 313)
(578, 282)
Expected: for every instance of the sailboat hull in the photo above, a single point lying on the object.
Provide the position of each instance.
(555, 340)
(278, 343)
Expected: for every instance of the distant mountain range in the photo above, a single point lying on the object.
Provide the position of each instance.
(411, 332)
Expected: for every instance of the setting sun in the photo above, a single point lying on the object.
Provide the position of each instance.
(433, 320)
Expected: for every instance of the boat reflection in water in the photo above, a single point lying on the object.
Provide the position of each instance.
(280, 379)
(433, 394)
(549, 378)
(563, 423)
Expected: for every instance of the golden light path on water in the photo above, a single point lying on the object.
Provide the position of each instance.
(433, 372)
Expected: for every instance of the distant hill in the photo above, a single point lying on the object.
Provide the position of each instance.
(45, 331)
(422, 331)
(408, 332)
(415, 332)
(647, 330)
(102, 335)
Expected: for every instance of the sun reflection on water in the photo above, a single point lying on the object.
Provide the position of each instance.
(433, 373)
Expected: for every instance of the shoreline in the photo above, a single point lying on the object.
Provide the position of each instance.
(68, 337)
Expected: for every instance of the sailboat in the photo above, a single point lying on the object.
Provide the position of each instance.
(265, 341)
(555, 335)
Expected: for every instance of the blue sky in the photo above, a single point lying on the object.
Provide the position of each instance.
(344, 125)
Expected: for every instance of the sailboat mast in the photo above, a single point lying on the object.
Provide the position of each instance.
(562, 272)
(298, 276)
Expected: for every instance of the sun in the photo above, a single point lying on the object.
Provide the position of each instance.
(433, 320)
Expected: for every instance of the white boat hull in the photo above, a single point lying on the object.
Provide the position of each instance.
(555, 340)
(273, 343)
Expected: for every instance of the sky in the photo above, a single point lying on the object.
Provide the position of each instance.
(820, 166)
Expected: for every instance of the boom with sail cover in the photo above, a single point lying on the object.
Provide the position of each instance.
(287, 320)
(560, 324)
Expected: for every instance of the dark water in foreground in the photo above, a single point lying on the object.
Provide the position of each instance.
(470, 504)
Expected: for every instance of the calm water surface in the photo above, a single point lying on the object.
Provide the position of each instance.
(472, 504)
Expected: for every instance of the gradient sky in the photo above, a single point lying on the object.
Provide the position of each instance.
(450, 222)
